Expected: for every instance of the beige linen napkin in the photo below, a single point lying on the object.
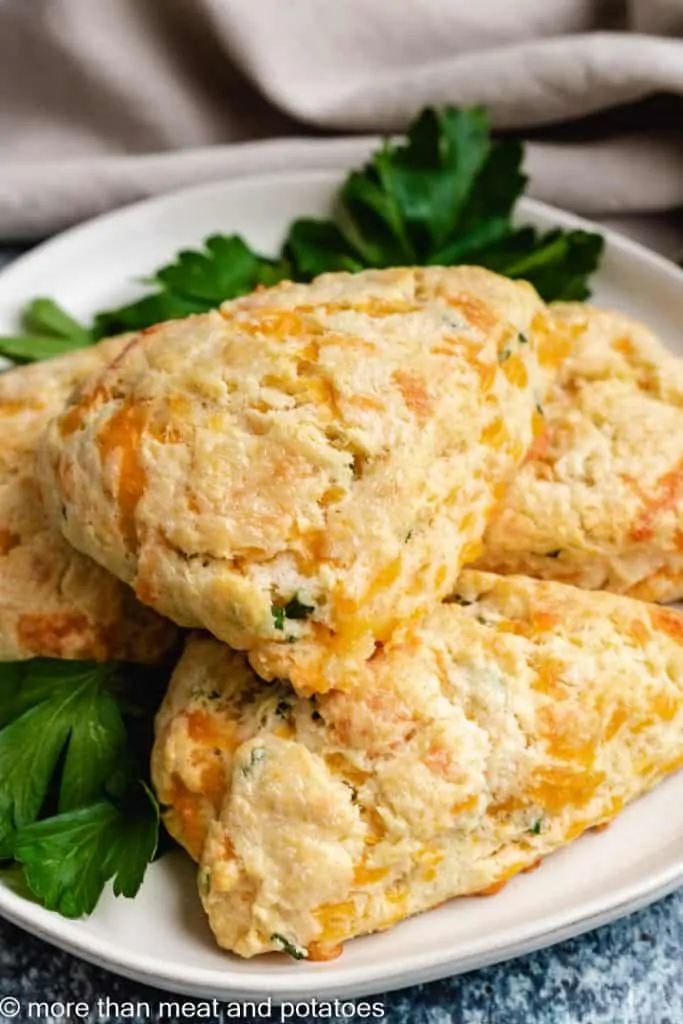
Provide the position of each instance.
(105, 101)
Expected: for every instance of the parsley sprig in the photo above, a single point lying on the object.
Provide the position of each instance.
(445, 195)
(195, 282)
(75, 810)
(68, 859)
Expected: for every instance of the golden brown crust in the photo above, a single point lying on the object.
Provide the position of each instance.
(54, 602)
(599, 500)
(303, 473)
(507, 723)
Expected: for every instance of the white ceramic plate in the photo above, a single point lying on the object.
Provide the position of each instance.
(161, 937)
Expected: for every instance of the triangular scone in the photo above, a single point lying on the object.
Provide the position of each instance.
(517, 715)
(304, 472)
(54, 602)
(599, 500)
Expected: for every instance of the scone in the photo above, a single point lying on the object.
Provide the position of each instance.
(304, 472)
(513, 718)
(54, 602)
(599, 499)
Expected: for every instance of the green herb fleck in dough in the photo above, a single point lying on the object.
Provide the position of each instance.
(278, 613)
(288, 947)
(296, 609)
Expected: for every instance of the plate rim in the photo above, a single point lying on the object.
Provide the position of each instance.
(256, 183)
(316, 980)
(403, 969)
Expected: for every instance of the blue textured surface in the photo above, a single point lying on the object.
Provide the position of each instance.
(630, 972)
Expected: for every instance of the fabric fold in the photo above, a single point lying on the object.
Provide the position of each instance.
(102, 104)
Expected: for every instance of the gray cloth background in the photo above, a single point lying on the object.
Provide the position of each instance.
(106, 101)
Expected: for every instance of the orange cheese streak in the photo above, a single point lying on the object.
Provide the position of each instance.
(415, 394)
(555, 341)
(54, 634)
(11, 406)
(321, 951)
(186, 808)
(667, 495)
(122, 434)
(557, 786)
(540, 447)
(476, 311)
(669, 621)
(515, 371)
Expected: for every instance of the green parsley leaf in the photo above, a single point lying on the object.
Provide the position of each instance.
(45, 316)
(55, 713)
(48, 331)
(445, 196)
(486, 220)
(536, 827)
(12, 878)
(296, 609)
(405, 204)
(314, 243)
(557, 263)
(288, 947)
(196, 281)
(278, 613)
(73, 810)
(145, 312)
(68, 859)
